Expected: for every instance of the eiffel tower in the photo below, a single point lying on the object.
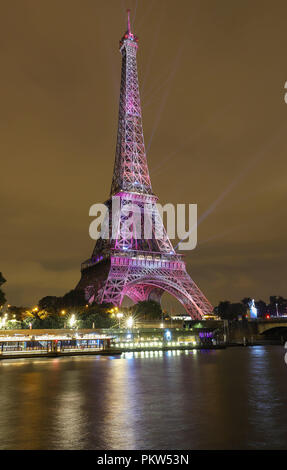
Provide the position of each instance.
(128, 264)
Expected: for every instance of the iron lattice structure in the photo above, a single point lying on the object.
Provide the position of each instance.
(128, 264)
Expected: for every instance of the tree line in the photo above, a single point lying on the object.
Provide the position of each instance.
(55, 312)
(226, 310)
(2, 295)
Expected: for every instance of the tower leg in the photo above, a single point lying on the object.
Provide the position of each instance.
(149, 284)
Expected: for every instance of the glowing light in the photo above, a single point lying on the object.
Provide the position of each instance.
(72, 321)
(168, 335)
(253, 309)
(130, 322)
(119, 316)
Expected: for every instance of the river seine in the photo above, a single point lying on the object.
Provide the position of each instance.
(225, 399)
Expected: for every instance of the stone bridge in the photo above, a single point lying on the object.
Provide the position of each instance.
(264, 326)
(253, 330)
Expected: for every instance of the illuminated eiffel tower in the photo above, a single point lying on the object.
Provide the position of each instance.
(128, 264)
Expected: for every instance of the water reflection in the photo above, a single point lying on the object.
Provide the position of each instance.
(234, 398)
(265, 400)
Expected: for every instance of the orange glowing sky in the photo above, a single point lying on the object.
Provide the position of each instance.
(212, 77)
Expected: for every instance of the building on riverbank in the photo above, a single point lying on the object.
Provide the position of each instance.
(20, 343)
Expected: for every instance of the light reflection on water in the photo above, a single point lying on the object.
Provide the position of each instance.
(234, 398)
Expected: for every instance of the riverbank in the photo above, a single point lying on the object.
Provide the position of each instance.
(20, 344)
(38, 354)
(102, 352)
(119, 351)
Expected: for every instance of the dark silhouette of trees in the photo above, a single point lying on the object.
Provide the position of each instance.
(230, 311)
(148, 310)
(277, 305)
(246, 301)
(2, 295)
(57, 311)
(96, 317)
(50, 321)
(261, 308)
(74, 298)
(18, 313)
(52, 304)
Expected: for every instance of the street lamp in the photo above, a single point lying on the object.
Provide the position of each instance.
(3, 321)
(119, 316)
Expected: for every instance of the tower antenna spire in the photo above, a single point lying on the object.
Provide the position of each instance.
(129, 21)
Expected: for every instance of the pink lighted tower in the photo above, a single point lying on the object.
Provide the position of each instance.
(130, 265)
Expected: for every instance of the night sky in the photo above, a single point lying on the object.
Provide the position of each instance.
(212, 76)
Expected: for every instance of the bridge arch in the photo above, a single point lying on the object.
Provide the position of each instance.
(275, 332)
